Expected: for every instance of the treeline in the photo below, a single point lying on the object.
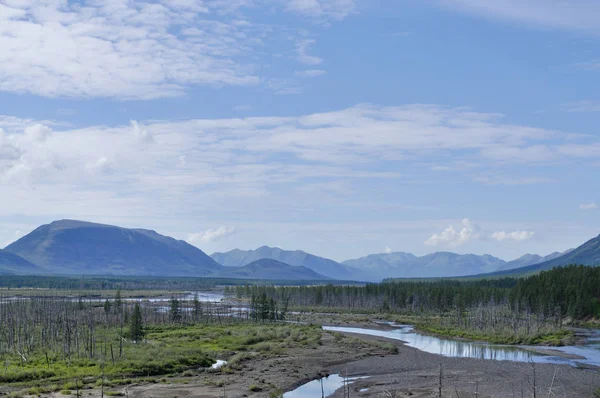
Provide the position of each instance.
(130, 282)
(572, 291)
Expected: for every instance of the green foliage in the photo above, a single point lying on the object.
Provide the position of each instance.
(171, 349)
(550, 338)
(136, 327)
(175, 310)
(255, 388)
(567, 292)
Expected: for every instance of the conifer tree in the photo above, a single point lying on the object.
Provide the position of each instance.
(136, 327)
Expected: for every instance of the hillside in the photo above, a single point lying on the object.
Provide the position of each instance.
(271, 269)
(77, 247)
(586, 254)
(320, 265)
(530, 259)
(12, 264)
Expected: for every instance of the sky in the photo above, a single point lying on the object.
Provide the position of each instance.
(338, 127)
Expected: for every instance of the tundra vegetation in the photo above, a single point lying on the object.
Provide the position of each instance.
(532, 310)
(50, 343)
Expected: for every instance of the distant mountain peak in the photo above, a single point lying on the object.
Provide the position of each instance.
(320, 265)
(267, 268)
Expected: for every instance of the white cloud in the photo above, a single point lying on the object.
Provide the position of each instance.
(578, 15)
(211, 235)
(453, 238)
(588, 206)
(322, 9)
(134, 49)
(311, 73)
(169, 167)
(388, 250)
(302, 48)
(516, 236)
(140, 49)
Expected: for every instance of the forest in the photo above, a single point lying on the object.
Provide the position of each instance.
(508, 310)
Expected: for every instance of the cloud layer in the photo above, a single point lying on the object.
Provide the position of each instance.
(141, 49)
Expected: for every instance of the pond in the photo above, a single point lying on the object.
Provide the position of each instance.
(320, 388)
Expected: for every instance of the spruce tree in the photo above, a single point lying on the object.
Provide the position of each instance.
(197, 307)
(175, 311)
(136, 327)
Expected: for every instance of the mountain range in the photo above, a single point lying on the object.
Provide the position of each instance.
(72, 247)
(324, 266)
(440, 264)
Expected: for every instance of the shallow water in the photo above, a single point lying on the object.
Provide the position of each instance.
(313, 389)
(202, 296)
(466, 349)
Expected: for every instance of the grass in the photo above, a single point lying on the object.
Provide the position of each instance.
(552, 338)
(169, 350)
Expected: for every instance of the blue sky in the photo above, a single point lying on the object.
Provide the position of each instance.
(340, 127)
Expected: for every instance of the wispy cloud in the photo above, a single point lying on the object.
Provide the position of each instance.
(161, 167)
(211, 235)
(310, 73)
(302, 48)
(582, 106)
(588, 206)
(576, 15)
(322, 9)
(515, 236)
(143, 50)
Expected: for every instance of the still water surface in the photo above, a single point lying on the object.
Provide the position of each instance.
(466, 349)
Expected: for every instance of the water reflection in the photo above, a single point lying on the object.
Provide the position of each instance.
(320, 388)
(466, 349)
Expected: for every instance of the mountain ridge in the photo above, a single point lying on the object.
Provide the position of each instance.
(75, 247)
(269, 269)
(586, 254)
(321, 265)
(11, 263)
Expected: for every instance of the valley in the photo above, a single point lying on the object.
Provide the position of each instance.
(169, 321)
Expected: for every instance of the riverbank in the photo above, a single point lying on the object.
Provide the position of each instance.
(563, 337)
(417, 373)
(263, 360)
(554, 339)
(402, 371)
